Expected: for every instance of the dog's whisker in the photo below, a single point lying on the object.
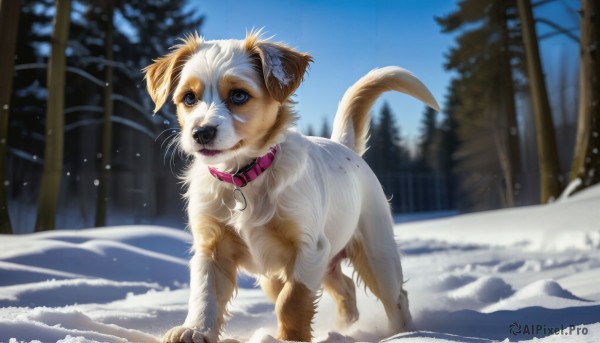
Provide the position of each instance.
(168, 140)
(162, 132)
(172, 140)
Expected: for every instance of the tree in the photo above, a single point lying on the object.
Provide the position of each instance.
(386, 153)
(550, 175)
(387, 156)
(485, 57)
(586, 159)
(123, 99)
(103, 186)
(429, 130)
(9, 23)
(325, 130)
(149, 28)
(53, 156)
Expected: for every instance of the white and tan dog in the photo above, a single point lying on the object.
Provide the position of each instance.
(265, 199)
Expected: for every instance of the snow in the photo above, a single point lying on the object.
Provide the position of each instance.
(470, 278)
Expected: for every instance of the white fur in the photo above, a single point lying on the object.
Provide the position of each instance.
(203, 307)
(319, 184)
(238, 118)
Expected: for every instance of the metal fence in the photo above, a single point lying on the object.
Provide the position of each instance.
(418, 192)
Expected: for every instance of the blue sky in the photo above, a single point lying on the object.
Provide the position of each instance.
(347, 38)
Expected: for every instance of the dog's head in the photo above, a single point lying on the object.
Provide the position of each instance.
(231, 95)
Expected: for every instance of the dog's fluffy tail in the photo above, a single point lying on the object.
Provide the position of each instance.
(351, 123)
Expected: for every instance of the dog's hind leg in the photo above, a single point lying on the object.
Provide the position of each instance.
(342, 290)
(272, 287)
(374, 254)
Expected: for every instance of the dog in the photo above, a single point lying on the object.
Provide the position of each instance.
(266, 200)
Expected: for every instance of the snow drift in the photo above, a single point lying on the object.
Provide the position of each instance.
(512, 274)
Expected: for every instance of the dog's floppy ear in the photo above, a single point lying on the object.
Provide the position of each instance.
(162, 76)
(282, 67)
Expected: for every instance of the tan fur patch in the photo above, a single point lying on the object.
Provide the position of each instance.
(230, 82)
(192, 85)
(225, 251)
(213, 238)
(257, 115)
(359, 109)
(294, 65)
(342, 290)
(285, 119)
(163, 75)
(295, 308)
(361, 265)
(294, 303)
(272, 287)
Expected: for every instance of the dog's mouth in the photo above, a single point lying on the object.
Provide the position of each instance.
(206, 152)
(209, 152)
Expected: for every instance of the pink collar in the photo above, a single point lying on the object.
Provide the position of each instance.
(249, 172)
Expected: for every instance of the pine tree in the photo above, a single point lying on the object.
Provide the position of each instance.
(485, 57)
(132, 50)
(325, 130)
(448, 144)
(425, 154)
(386, 154)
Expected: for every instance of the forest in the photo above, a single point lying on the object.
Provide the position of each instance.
(80, 147)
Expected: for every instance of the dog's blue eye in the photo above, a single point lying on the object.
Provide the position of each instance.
(239, 97)
(189, 99)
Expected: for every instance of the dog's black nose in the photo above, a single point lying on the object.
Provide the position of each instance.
(205, 134)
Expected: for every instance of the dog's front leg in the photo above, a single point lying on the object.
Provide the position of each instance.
(217, 250)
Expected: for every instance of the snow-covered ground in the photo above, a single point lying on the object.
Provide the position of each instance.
(511, 274)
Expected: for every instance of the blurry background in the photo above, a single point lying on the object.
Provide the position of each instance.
(117, 164)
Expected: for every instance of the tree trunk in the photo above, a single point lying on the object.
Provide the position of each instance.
(512, 127)
(586, 159)
(550, 175)
(9, 25)
(54, 143)
(103, 187)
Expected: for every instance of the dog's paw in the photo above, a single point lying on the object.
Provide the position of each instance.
(181, 334)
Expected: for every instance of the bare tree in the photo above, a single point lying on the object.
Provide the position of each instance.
(9, 24)
(103, 186)
(53, 150)
(550, 175)
(586, 159)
